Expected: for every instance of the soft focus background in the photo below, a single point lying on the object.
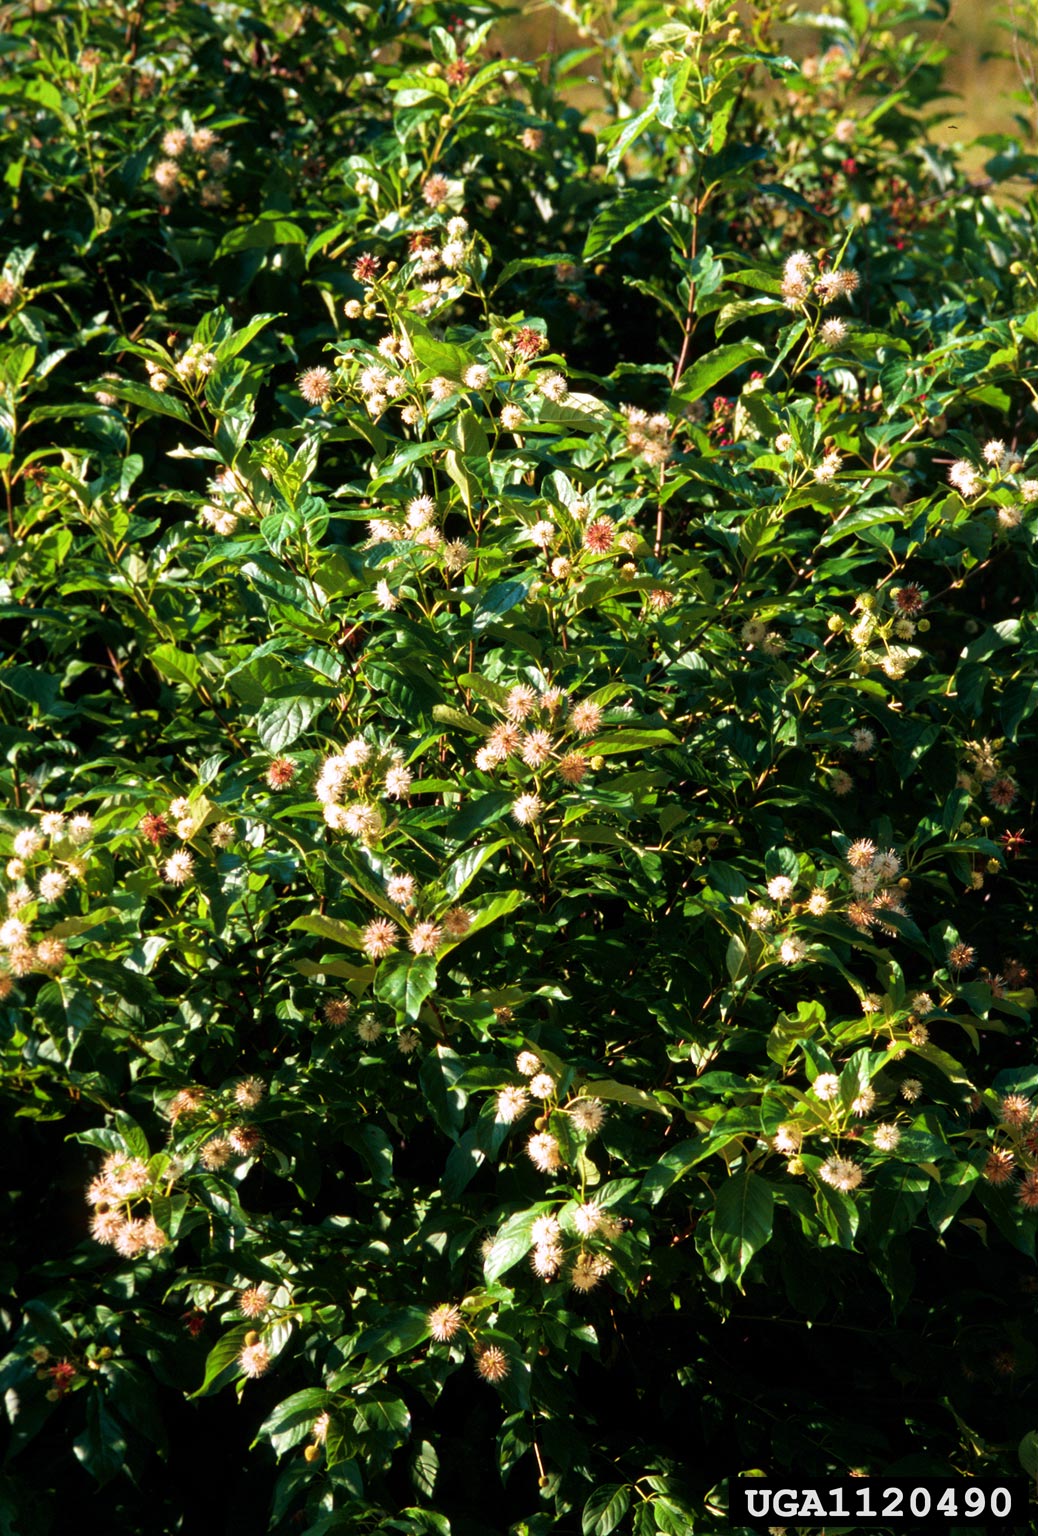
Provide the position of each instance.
(991, 47)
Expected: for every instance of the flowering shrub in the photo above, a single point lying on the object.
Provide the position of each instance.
(519, 903)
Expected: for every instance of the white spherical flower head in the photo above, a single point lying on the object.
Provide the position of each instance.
(587, 1218)
(826, 1086)
(28, 843)
(527, 809)
(543, 1151)
(792, 950)
(780, 888)
(527, 1063)
(545, 1230)
(178, 868)
(542, 1085)
(511, 1104)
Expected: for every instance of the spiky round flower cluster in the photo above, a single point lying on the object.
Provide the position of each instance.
(841, 1173)
(648, 436)
(538, 734)
(48, 857)
(351, 782)
(194, 363)
(229, 501)
(588, 1266)
(115, 1195)
(875, 893)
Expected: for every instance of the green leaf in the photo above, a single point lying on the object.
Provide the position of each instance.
(605, 1088)
(404, 981)
(628, 213)
(282, 721)
(175, 665)
(1027, 1453)
(742, 1221)
(268, 230)
(221, 1364)
(672, 1166)
(237, 341)
(512, 1242)
(330, 928)
(605, 1509)
(631, 741)
(439, 1074)
(525, 263)
(495, 601)
(158, 404)
(464, 869)
(707, 371)
(292, 1420)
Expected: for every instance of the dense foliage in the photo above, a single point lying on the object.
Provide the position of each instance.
(518, 749)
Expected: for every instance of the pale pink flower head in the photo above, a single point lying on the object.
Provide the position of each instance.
(249, 1092)
(444, 1322)
(28, 842)
(50, 954)
(315, 385)
(588, 1269)
(586, 717)
(492, 1364)
(425, 939)
(964, 478)
(280, 773)
(398, 779)
(536, 748)
(1000, 1166)
(861, 853)
(546, 1260)
(379, 937)
(545, 1230)
(402, 891)
(245, 1140)
(337, 1010)
(587, 1218)
(1028, 1192)
(1001, 792)
(521, 702)
(253, 1302)
(369, 1028)
(571, 767)
(543, 1151)
(961, 956)
(1015, 1110)
(435, 190)
(254, 1360)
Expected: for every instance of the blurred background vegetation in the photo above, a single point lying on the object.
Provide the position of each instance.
(992, 47)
